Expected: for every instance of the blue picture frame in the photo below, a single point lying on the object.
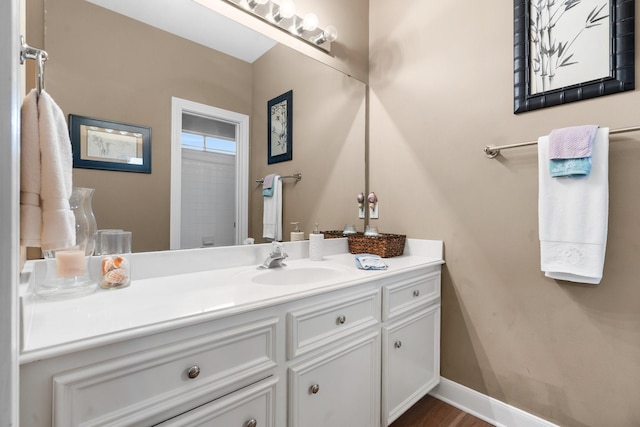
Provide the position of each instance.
(108, 145)
(280, 128)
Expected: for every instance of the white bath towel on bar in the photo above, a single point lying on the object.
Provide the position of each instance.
(30, 211)
(573, 216)
(272, 215)
(58, 221)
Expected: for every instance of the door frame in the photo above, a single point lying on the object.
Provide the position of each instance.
(180, 106)
(11, 18)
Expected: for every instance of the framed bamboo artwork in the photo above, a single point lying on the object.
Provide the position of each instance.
(570, 50)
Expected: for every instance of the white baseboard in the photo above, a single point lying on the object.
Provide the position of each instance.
(484, 407)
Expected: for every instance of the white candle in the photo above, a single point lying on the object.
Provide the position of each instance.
(70, 263)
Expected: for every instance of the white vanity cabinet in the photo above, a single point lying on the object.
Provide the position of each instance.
(336, 382)
(410, 342)
(148, 380)
(353, 354)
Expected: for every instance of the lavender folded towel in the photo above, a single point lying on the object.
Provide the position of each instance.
(268, 181)
(267, 185)
(572, 142)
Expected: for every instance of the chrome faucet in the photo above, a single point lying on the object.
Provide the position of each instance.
(275, 258)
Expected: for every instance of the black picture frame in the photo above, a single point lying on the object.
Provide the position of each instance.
(280, 128)
(621, 60)
(108, 145)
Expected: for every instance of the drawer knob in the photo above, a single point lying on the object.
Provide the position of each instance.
(251, 423)
(193, 371)
(416, 293)
(397, 344)
(314, 389)
(340, 320)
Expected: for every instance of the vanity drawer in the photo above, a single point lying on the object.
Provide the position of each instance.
(408, 295)
(152, 385)
(316, 326)
(251, 406)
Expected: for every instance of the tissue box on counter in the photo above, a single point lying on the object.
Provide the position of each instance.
(384, 245)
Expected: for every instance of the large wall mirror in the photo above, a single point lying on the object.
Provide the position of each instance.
(103, 64)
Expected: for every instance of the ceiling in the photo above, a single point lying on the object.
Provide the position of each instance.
(192, 21)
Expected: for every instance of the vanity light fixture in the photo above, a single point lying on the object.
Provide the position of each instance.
(282, 14)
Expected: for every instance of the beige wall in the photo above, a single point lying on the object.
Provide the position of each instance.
(106, 66)
(328, 142)
(441, 76)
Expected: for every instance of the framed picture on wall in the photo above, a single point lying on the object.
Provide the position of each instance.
(280, 132)
(103, 144)
(567, 51)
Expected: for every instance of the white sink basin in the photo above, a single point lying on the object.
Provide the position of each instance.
(296, 273)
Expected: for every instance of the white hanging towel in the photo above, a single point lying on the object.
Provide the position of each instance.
(573, 216)
(30, 211)
(272, 215)
(58, 221)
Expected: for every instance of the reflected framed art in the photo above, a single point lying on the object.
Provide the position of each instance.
(108, 145)
(280, 136)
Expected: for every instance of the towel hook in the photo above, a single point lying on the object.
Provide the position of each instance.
(42, 58)
(28, 52)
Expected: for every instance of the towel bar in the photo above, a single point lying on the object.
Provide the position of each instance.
(492, 152)
(296, 176)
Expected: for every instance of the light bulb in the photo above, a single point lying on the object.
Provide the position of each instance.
(329, 34)
(286, 10)
(310, 22)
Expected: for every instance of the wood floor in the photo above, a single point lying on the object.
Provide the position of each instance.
(431, 412)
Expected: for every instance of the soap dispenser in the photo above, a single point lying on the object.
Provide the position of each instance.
(296, 234)
(316, 240)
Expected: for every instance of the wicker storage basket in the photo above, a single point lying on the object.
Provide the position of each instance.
(333, 234)
(384, 245)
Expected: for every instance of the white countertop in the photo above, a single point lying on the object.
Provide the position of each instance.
(153, 304)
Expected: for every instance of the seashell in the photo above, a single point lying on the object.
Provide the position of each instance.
(120, 262)
(116, 277)
(107, 285)
(107, 264)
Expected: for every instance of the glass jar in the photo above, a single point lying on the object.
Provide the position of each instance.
(86, 226)
(115, 253)
(67, 273)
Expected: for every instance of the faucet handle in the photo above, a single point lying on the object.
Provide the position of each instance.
(276, 248)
